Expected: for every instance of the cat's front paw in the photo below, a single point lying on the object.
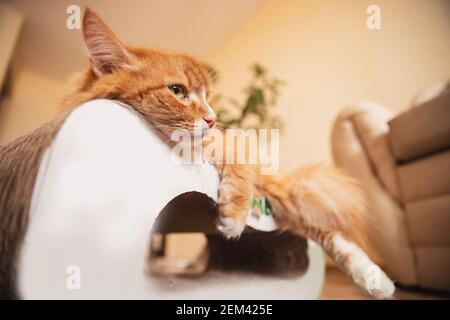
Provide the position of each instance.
(230, 228)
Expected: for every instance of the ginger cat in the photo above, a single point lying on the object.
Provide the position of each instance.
(171, 92)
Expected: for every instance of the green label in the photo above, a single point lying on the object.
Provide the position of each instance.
(262, 205)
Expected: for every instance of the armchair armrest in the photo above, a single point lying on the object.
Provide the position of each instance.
(360, 146)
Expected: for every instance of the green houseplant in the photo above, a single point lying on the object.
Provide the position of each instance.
(256, 109)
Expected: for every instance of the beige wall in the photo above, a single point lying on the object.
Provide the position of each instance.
(321, 48)
(33, 101)
(330, 59)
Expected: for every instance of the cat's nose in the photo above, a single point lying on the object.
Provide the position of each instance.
(210, 121)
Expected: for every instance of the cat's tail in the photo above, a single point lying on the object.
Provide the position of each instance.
(319, 197)
(333, 207)
(326, 205)
(328, 199)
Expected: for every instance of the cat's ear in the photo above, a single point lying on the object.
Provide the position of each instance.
(104, 49)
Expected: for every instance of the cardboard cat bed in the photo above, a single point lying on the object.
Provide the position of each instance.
(107, 187)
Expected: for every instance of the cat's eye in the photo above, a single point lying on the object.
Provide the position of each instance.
(178, 90)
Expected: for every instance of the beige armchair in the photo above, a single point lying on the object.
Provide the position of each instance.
(404, 164)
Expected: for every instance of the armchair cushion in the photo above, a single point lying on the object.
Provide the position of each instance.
(422, 130)
(425, 177)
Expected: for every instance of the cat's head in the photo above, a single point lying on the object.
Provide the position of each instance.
(170, 90)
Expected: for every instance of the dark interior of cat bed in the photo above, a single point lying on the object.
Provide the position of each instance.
(271, 253)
